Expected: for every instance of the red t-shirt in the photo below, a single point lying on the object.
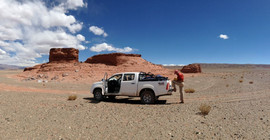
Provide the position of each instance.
(180, 77)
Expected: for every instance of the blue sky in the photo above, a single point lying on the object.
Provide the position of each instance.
(183, 32)
(174, 31)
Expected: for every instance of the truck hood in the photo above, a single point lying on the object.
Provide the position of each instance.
(97, 83)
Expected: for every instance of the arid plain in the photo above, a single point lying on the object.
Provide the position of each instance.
(239, 97)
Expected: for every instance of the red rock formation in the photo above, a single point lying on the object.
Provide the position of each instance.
(114, 59)
(63, 55)
(93, 70)
(36, 67)
(192, 68)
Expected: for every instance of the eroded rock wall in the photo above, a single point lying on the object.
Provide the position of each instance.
(63, 55)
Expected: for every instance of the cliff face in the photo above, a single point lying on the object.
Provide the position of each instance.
(63, 55)
(113, 59)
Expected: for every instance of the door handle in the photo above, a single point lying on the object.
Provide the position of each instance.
(132, 83)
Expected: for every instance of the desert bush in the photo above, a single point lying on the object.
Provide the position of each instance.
(242, 77)
(189, 90)
(251, 82)
(72, 97)
(240, 81)
(205, 109)
(227, 85)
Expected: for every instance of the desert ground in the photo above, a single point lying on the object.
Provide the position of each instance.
(239, 98)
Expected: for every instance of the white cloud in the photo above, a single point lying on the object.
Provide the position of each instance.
(2, 52)
(29, 28)
(80, 37)
(73, 4)
(98, 31)
(222, 36)
(173, 64)
(106, 47)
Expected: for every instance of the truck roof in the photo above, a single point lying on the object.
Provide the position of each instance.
(127, 73)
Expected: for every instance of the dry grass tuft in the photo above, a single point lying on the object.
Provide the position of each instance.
(240, 81)
(205, 109)
(251, 82)
(72, 97)
(189, 90)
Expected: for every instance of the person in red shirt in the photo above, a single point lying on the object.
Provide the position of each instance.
(180, 82)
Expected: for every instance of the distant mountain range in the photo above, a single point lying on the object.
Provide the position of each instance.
(10, 67)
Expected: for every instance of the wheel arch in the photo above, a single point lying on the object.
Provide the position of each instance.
(147, 89)
(98, 88)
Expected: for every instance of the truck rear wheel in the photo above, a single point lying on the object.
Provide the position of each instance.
(148, 97)
(98, 94)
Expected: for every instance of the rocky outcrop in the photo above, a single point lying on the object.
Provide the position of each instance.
(60, 68)
(36, 67)
(192, 68)
(113, 59)
(63, 55)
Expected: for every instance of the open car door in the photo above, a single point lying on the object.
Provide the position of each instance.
(105, 83)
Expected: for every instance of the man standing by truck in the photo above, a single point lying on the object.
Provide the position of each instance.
(180, 82)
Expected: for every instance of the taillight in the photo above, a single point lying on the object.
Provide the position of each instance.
(168, 85)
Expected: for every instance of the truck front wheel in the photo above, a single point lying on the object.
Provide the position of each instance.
(147, 97)
(98, 94)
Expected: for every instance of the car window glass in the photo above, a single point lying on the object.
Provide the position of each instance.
(129, 77)
(115, 77)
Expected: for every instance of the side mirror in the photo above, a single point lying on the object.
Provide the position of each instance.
(102, 79)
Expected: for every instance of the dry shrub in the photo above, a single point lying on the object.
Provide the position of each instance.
(189, 90)
(227, 85)
(72, 97)
(240, 81)
(205, 109)
(242, 77)
(251, 82)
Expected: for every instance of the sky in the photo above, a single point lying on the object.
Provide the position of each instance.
(163, 32)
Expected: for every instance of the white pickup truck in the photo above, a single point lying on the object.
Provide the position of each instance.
(133, 84)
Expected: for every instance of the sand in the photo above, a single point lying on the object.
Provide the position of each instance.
(240, 110)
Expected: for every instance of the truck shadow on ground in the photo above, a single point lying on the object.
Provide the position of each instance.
(125, 101)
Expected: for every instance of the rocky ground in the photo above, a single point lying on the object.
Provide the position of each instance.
(239, 100)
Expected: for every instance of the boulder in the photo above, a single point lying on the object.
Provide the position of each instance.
(113, 59)
(192, 68)
(63, 55)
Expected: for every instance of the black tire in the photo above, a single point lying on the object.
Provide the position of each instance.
(148, 97)
(111, 97)
(98, 95)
